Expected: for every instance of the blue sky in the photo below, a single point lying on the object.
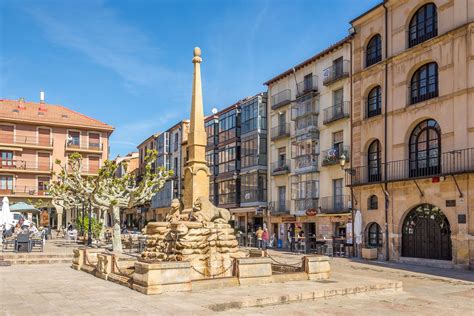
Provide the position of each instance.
(128, 63)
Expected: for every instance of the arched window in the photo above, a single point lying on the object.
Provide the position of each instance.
(423, 25)
(374, 235)
(374, 102)
(373, 202)
(374, 159)
(425, 149)
(424, 83)
(374, 51)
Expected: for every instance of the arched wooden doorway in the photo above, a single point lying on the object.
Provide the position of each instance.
(426, 233)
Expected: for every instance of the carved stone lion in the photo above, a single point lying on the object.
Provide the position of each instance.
(174, 213)
(205, 211)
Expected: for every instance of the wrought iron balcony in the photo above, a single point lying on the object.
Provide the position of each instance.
(305, 107)
(336, 112)
(336, 72)
(335, 204)
(451, 162)
(25, 190)
(331, 156)
(280, 131)
(72, 145)
(307, 127)
(23, 166)
(309, 84)
(306, 163)
(280, 207)
(26, 140)
(306, 204)
(281, 99)
(280, 167)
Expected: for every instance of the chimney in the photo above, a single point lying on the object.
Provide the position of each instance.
(42, 107)
(41, 96)
(21, 103)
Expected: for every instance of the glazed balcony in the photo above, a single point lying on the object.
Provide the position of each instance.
(335, 204)
(336, 72)
(73, 145)
(23, 166)
(27, 141)
(280, 131)
(252, 196)
(332, 156)
(280, 167)
(309, 84)
(448, 163)
(304, 204)
(280, 207)
(253, 160)
(305, 107)
(336, 112)
(281, 99)
(228, 199)
(306, 163)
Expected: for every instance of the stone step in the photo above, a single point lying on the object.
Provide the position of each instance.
(9, 256)
(39, 261)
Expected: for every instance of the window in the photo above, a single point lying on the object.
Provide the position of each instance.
(250, 116)
(374, 159)
(423, 25)
(374, 51)
(425, 149)
(281, 206)
(254, 151)
(253, 187)
(227, 192)
(227, 158)
(6, 183)
(43, 185)
(228, 126)
(338, 67)
(338, 143)
(73, 139)
(211, 130)
(94, 140)
(373, 203)
(308, 82)
(6, 159)
(176, 141)
(282, 155)
(338, 198)
(374, 234)
(424, 83)
(176, 166)
(374, 102)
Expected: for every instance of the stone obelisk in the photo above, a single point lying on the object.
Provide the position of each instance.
(196, 171)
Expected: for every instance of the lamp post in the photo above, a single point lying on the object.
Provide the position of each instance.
(82, 223)
(342, 163)
(89, 233)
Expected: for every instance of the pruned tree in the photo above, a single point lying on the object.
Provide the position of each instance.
(108, 191)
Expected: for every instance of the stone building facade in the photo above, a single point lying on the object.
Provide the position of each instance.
(413, 130)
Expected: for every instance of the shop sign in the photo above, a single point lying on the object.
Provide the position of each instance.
(311, 212)
(288, 219)
(338, 219)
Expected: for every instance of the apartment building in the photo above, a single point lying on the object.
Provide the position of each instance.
(413, 130)
(172, 155)
(309, 113)
(127, 164)
(236, 153)
(35, 134)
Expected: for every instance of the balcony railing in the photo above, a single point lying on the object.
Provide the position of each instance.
(19, 165)
(280, 167)
(74, 145)
(227, 198)
(26, 140)
(303, 108)
(249, 196)
(336, 72)
(451, 162)
(280, 131)
(336, 112)
(86, 169)
(306, 204)
(24, 190)
(307, 127)
(331, 156)
(306, 163)
(334, 204)
(307, 85)
(280, 207)
(423, 31)
(281, 99)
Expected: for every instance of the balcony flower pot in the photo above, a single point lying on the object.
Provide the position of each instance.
(369, 253)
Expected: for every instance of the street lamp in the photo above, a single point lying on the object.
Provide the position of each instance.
(89, 233)
(82, 223)
(342, 161)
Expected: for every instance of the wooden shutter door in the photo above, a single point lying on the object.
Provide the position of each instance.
(93, 164)
(94, 141)
(44, 137)
(43, 161)
(6, 134)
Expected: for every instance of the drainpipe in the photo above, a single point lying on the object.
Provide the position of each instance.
(387, 253)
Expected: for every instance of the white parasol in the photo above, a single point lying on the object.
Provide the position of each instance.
(358, 227)
(5, 216)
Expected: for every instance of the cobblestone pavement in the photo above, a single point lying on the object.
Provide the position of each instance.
(58, 290)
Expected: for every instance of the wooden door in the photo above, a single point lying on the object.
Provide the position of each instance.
(44, 136)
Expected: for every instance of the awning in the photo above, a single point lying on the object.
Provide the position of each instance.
(23, 207)
(242, 210)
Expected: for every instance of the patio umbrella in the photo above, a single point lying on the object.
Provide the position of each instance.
(358, 227)
(5, 216)
(23, 207)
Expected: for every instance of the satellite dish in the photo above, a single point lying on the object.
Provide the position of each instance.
(214, 111)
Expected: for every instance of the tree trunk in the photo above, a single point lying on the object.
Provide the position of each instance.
(101, 216)
(116, 238)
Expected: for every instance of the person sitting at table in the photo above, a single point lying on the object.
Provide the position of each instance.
(33, 230)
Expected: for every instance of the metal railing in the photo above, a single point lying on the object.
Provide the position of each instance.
(280, 207)
(259, 195)
(7, 164)
(308, 126)
(306, 163)
(373, 56)
(423, 89)
(25, 190)
(253, 160)
(336, 112)
(307, 85)
(331, 156)
(26, 140)
(334, 204)
(418, 33)
(305, 107)
(73, 144)
(451, 162)
(304, 204)
(280, 131)
(85, 169)
(280, 167)
(336, 71)
(281, 99)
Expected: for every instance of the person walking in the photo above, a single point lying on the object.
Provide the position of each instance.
(259, 235)
(265, 238)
